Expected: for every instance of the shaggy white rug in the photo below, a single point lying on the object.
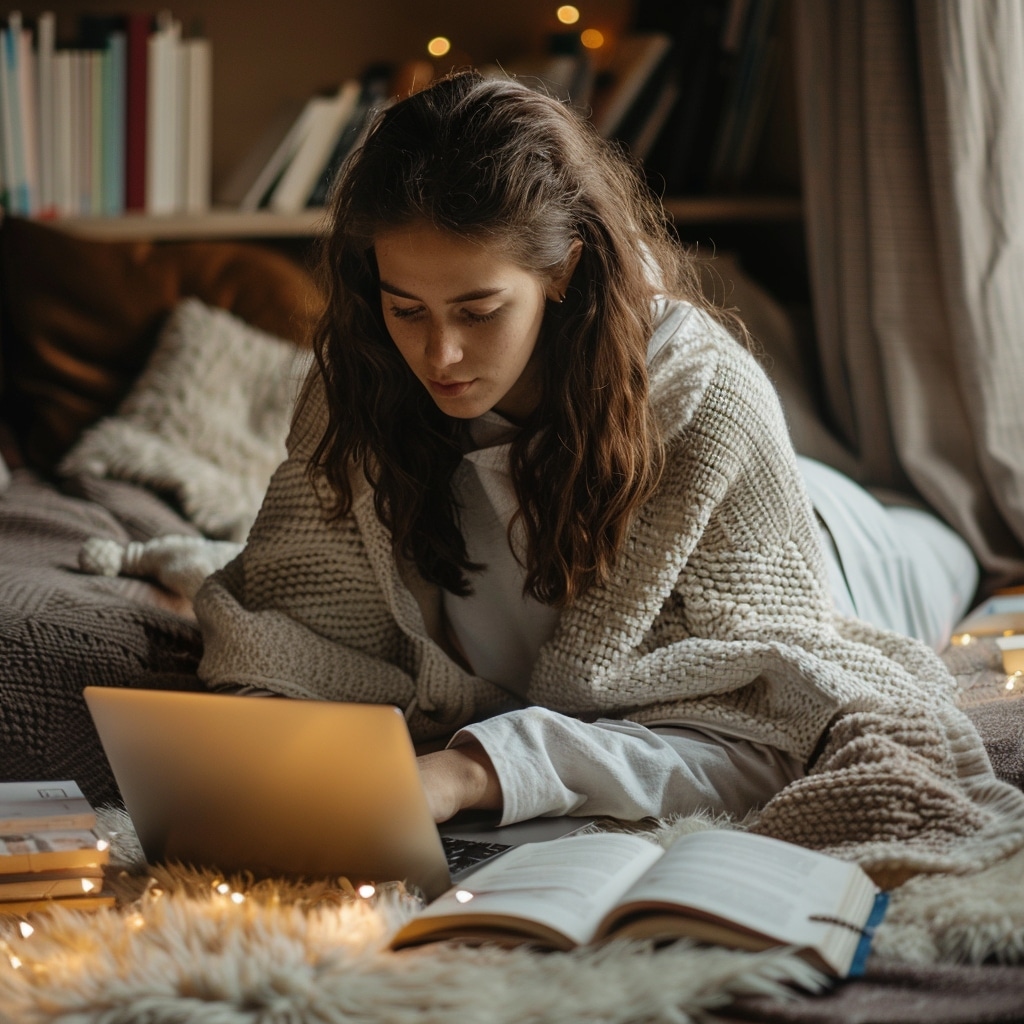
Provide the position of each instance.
(181, 948)
(185, 946)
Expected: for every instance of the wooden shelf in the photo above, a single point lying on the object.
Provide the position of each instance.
(216, 224)
(234, 224)
(733, 209)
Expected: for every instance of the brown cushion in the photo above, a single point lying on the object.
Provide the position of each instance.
(80, 318)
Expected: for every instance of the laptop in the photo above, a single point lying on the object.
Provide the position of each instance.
(277, 786)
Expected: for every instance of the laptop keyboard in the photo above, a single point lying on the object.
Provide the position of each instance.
(465, 853)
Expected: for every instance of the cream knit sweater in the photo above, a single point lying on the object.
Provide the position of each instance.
(719, 614)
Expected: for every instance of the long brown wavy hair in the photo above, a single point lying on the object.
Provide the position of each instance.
(496, 162)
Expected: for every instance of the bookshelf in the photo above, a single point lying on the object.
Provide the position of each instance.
(266, 53)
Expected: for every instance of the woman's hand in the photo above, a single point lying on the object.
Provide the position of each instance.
(458, 779)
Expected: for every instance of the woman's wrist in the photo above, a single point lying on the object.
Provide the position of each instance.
(459, 779)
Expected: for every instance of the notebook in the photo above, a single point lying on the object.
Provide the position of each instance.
(277, 786)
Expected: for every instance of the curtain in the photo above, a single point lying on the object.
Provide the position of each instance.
(912, 133)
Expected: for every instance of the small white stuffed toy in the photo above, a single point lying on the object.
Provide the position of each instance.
(180, 563)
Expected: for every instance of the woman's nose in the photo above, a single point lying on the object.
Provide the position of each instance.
(443, 348)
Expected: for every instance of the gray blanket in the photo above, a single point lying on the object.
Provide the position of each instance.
(61, 630)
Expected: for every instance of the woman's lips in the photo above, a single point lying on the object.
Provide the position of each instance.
(450, 389)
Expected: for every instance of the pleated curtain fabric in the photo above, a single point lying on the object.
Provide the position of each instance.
(912, 133)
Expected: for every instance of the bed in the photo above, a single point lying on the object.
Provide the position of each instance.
(99, 464)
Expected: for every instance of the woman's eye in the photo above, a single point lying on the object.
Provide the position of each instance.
(479, 318)
(405, 312)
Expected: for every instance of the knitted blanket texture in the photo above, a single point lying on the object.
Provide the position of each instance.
(718, 613)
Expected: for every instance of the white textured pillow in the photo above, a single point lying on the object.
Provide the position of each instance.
(204, 422)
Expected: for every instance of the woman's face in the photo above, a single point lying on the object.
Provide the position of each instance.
(465, 319)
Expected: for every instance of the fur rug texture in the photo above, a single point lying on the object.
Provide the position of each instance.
(181, 947)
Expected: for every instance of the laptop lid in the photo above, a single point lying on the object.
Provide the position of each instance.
(271, 785)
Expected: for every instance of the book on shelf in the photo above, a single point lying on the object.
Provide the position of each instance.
(243, 180)
(376, 91)
(328, 118)
(723, 888)
(115, 118)
(43, 807)
(137, 28)
(639, 60)
(746, 104)
(262, 185)
(196, 105)
(728, 57)
(56, 850)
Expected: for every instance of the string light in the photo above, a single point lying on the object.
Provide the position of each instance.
(438, 46)
(592, 38)
(567, 14)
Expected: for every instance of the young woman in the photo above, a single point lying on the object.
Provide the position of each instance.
(542, 497)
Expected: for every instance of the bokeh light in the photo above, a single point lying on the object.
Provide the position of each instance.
(592, 39)
(438, 46)
(567, 14)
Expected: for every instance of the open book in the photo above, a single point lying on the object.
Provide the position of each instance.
(720, 887)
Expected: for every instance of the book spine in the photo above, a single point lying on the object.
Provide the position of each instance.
(46, 35)
(198, 124)
(29, 115)
(136, 105)
(114, 124)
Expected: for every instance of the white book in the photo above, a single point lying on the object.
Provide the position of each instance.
(162, 117)
(233, 189)
(280, 158)
(42, 806)
(46, 36)
(726, 888)
(197, 123)
(329, 118)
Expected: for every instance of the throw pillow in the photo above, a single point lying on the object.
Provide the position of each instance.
(205, 422)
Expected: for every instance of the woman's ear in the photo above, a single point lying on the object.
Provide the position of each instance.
(556, 288)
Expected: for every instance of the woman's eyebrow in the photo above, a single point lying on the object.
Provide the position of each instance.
(477, 293)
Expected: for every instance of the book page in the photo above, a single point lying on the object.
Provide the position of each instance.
(768, 886)
(565, 885)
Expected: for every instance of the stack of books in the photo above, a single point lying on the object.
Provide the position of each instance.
(50, 853)
(292, 165)
(116, 119)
